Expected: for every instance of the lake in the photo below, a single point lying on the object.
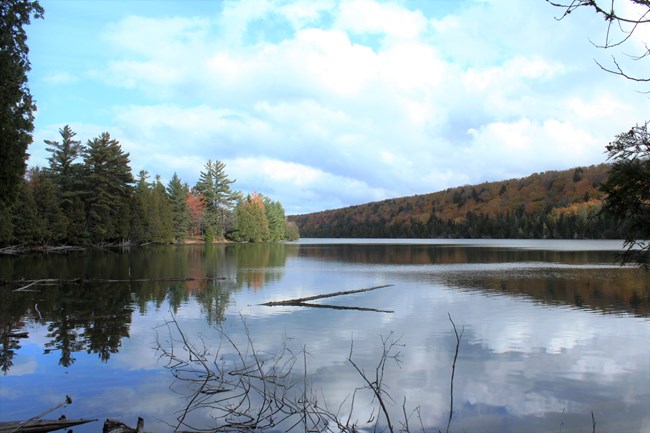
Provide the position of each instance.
(552, 332)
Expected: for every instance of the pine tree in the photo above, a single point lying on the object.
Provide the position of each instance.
(162, 212)
(140, 202)
(28, 226)
(107, 189)
(63, 169)
(214, 186)
(177, 194)
(48, 207)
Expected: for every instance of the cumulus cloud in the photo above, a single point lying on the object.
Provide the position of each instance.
(327, 104)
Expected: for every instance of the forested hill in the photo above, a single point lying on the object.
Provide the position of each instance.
(553, 204)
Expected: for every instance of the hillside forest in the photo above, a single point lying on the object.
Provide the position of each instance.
(87, 195)
(549, 205)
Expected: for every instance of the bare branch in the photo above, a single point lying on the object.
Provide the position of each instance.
(453, 371)
(619, 71)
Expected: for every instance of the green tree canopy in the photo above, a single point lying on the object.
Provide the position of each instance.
(108, 181)
(252, 224)
(215, 188)
(63, 169)
(276, 219)
(177, 194)
(16, 103)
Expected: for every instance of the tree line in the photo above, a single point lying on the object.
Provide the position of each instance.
(551, 205)
(87, 195)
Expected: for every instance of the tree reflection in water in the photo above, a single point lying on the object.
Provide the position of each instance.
(95, 317)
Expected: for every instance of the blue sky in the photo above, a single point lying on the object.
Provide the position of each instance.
(322, 104)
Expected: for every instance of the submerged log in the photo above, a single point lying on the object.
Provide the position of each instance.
(40, 425)
(52, 281)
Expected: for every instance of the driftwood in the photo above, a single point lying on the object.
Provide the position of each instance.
(51, 281)
(40, 425)
(304, 302)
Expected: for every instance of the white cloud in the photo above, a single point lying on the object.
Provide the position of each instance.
(391, 19)
(378, 99)
(63, 77)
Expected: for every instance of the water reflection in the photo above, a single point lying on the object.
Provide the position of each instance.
(95, 316)
(533, 349)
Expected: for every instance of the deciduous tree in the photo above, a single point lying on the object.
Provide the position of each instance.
(251, 222)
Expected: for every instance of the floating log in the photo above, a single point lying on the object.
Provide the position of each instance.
(40, 425)
(298, 301)
(341, 307)
(303, 302)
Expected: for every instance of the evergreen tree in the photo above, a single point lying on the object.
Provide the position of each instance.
(177, 194)
(28, 226)
(214, 186)
(76, 229)
(48, 208)
(276, 219)
(63, 169)
(107, 189)
(140, 202)
(16, 104)
(161, 212)
(6, 224)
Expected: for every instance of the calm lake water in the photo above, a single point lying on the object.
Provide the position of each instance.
(551, 331)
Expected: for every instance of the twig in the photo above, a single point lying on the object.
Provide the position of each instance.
(33, 283)
(453, 371)
(593, 422)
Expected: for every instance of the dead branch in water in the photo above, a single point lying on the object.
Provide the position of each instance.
(302, 301)
(340, 307)
(245, 390)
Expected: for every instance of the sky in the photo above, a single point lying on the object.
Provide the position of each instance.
(323, 104)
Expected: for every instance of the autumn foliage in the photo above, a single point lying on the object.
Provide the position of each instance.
(553, 204)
